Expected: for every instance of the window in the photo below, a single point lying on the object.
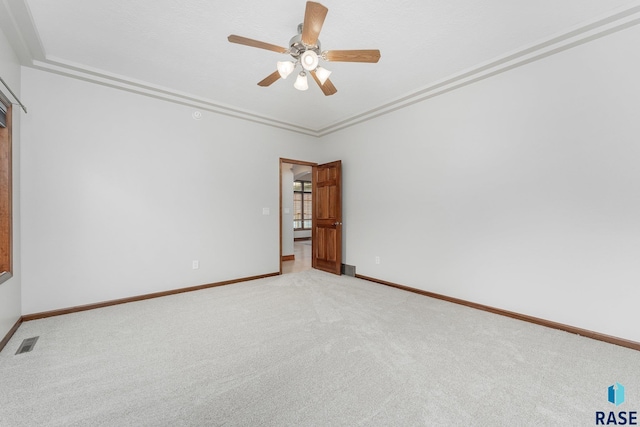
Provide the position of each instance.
(3, 116)
(302, 205)
(5, 189)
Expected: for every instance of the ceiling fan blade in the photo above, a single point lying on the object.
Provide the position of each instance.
(270, 79)
(327, 88)
(314, 16)
(256, 43)
(371, 55)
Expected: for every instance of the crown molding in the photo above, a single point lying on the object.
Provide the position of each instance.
(597, 28)
(28, 46)
(17, 23)
(104, 78)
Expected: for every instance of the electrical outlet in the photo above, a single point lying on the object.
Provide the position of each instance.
(377, 260)
(195, 264)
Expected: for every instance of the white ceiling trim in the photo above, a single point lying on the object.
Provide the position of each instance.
(81, 72)
(17, 22)
(31, 54)
(576, 36)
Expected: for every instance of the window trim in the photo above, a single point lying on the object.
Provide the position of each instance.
(6, 196)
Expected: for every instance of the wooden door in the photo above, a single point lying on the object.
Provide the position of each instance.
(327, 217)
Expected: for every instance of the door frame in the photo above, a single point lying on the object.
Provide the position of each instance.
(313, 178)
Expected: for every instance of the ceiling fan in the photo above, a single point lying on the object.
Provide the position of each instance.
(305, 50)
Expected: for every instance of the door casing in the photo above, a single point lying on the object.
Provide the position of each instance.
(326, 249)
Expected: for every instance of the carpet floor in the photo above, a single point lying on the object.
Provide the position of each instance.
(306, 349)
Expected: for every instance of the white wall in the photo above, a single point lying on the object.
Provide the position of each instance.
(10, 290)
(521, 191)
(120, 192)
(287, 205)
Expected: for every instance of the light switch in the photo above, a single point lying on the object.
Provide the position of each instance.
(265, 211)
(287, 210)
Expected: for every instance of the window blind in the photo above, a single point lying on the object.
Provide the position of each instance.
(3, 116)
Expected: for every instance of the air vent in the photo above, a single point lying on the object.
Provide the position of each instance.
(349, 270)
(27, 345)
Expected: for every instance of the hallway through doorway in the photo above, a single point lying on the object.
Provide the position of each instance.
(302, 254)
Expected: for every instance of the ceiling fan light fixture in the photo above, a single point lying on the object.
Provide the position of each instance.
(305, 48)
(301, 82)
(285, 68)
(309, 60)
(322, 74)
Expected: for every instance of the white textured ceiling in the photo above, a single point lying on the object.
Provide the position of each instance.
(178, 48)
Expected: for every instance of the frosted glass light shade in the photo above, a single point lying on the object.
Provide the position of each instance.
(309, 60)
(285, 68)
(301, 82)
(322, 74)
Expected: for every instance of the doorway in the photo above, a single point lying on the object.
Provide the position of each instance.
(296, 210)
(326, 213)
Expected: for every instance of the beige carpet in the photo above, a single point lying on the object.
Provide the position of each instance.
(306, 349)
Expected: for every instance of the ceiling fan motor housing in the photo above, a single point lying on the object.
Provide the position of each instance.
(297, 48)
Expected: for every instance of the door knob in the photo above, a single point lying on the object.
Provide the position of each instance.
(337, 223)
